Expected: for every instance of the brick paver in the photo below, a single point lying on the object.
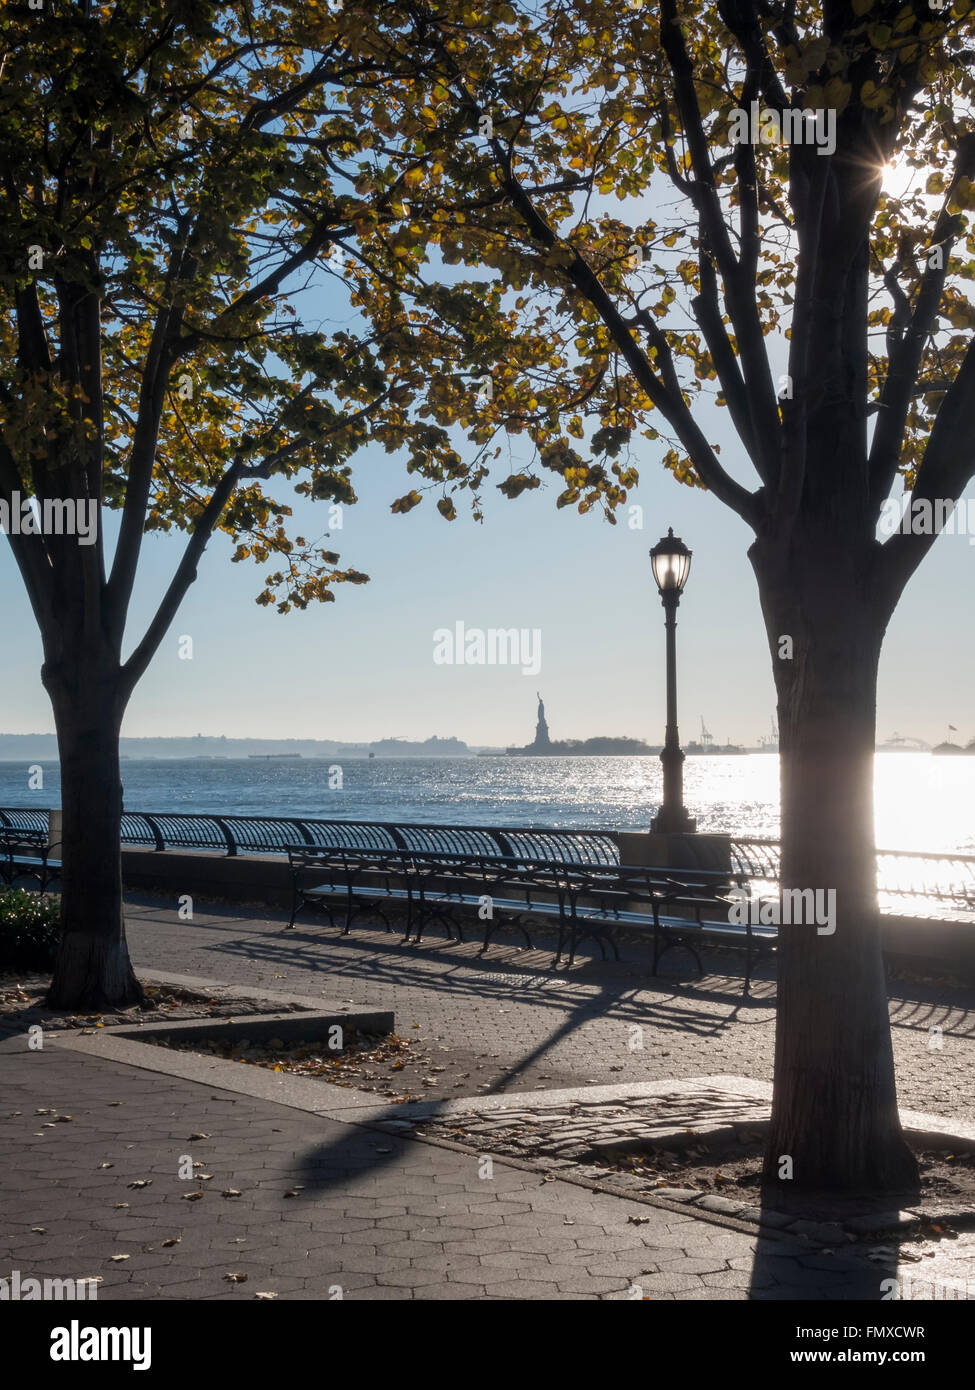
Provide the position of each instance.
(326, 1206)
(537, 1027)
(372, 1215)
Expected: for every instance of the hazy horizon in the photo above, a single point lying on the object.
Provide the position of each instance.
(365, 666)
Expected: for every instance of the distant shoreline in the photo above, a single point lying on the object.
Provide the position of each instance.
(470, 755)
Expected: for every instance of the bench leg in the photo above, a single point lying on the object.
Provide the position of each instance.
(491, 927)
(524, 931)
(380, 912)
(295, 908)
(659, 953)
(573, 942)
(409, 914)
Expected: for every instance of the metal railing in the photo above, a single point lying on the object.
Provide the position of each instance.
(901, 874)
(161, 830)
(18, 819)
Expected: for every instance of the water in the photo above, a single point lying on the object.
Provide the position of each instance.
(922, 802)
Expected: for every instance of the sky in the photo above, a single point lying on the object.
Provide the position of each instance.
(363, 667)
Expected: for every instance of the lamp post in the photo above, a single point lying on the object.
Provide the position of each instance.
(670, 560)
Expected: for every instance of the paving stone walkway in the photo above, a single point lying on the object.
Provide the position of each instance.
(531, 1027)
(573, 1131)
(323, 1207)
(309, 1206)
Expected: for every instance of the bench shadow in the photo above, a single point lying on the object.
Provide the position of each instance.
(915, 1004)
(587, 991)
(782, 1268)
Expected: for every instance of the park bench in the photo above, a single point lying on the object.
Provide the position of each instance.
(353, 879)
(677, 907)
(429, 886)
(27, 854)
(503, 890)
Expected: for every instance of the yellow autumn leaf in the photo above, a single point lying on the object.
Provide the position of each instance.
(837, 93)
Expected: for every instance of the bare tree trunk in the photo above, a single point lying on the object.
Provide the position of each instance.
(92, 970)
(834, 1108)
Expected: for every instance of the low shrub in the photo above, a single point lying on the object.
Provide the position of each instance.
(28, 930)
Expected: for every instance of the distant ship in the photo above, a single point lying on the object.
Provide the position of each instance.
(951, 748)
(897, 743)
(708, 748)
(714, 750)
(274, 757)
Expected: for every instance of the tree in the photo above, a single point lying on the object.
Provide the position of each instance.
(829, 317)
(425, 135)
(175, 191)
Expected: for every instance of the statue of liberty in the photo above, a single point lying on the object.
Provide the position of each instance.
(542, 739)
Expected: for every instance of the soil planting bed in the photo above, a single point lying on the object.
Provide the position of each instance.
(22, 1004)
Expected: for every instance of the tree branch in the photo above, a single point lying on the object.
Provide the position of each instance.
(946, 469)
(738, 277)
(905, 355)
(134, 668)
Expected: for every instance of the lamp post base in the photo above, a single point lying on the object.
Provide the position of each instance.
(675, 851)
(673, 822)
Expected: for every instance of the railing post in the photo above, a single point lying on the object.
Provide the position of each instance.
(227, 835)
(159, 843)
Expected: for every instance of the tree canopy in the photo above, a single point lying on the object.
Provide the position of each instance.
(584, 159)
(179, 193)
(543, 224)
